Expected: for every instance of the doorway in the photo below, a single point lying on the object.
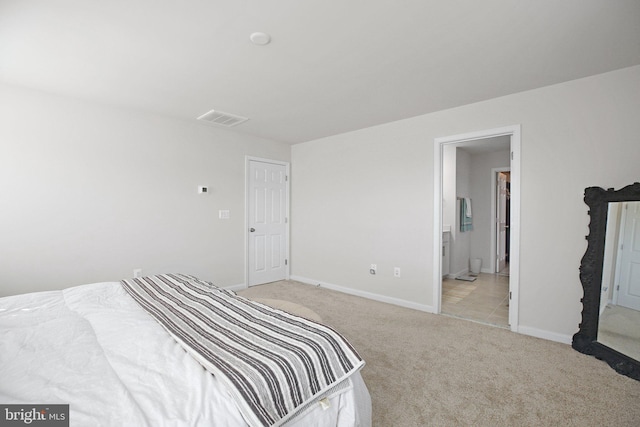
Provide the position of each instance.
(477, 139)
(267, 222)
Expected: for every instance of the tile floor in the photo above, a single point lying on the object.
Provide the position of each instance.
(483, 300)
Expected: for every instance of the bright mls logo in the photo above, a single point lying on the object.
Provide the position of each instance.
(34, 415)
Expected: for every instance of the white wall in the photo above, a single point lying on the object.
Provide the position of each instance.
(481, 183)
(367, 196)
(89, 192)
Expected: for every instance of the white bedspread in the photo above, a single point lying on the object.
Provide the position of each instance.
(94, 348)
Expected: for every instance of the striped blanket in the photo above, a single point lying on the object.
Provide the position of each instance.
(274, 364)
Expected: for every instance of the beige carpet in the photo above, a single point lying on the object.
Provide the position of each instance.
(618, 329)
(430, 370)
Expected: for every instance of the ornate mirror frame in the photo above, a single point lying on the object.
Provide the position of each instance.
(586, 339)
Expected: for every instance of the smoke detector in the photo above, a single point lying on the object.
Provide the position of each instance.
(221, 118)
(260, 39)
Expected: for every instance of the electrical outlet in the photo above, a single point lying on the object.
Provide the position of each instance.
(373, 269)
(137, 272)
(396, 271)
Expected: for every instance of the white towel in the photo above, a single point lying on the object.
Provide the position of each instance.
(467, 202)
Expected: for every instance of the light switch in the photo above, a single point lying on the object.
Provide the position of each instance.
(223, 214)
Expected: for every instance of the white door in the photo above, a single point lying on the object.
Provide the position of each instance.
(629, 284)
(267, 221)
(501, 222)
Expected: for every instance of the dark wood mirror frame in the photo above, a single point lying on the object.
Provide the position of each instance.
(586, 339)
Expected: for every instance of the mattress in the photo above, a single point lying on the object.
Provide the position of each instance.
(94, 348)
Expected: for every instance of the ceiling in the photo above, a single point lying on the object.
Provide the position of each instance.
(332, 66)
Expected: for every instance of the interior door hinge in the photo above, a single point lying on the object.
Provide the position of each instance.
(512, 155)
(286, 262)
(509, 295)
(286, 177)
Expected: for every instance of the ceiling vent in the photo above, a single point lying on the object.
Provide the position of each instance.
(221, 118)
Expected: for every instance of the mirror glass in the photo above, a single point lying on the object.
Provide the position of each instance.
(619, 322)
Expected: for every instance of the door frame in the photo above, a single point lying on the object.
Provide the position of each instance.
(494, 201)
(514, 132)
(247, 201)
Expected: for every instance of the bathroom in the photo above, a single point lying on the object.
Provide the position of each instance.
(475, 282)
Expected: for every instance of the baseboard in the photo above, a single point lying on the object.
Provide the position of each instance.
(547, 335)
(364, 294)
(525, 330)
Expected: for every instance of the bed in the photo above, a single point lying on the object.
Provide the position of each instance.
(100, 349)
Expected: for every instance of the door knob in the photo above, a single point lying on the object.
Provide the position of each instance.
(252, 229)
